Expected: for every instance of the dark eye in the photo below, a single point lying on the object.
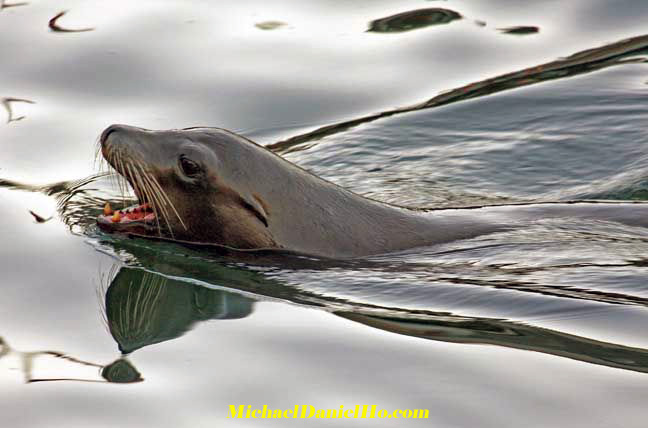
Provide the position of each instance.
(189, 167)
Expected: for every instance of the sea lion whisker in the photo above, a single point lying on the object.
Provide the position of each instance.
(160, 197)
(132, 321)
(146, 189)
(120, 170)
(163, 206)
(158, 190)
(158, 204)
(106, 164)
(114, 179)
(105, 279)
(149, 293)
(152, 201)
(110, 171)
(164, 194)
(124, 181)
(135, 178)
(165, 198)
(116, 158)
(97, 155)
(119, 178)
(131, 177)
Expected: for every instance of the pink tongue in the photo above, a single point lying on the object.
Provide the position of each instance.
(134, 215)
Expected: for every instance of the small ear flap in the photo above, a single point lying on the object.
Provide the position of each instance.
(256, 208)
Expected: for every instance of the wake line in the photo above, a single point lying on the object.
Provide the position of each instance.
(621, 52)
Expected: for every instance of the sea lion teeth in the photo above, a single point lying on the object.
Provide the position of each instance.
(107, 209)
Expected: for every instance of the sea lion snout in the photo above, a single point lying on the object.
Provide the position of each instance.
(109, 141)
(116, 128)
(104, 135)
(134, 143)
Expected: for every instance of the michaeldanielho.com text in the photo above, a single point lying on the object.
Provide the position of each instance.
(306, 411)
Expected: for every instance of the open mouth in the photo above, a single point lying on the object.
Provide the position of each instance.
(152, 213)
(138, 218)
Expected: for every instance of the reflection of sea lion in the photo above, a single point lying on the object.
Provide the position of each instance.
(143, 308)
(210, 185)
(461, 329)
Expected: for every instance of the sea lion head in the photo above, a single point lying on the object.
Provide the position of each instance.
(191, 184)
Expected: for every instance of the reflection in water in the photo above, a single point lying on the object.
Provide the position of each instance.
(4, 348)
(143, 308)
(520, 30)
(269, 25)
(412, 20)
(53, 25)
(73, 198)
(621, 52)
(38, 218)
(6, 103)
(215, 268)
(466, 330)
(119, 371)
(4, 5)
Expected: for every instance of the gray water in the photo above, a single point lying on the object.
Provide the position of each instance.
(538, 327)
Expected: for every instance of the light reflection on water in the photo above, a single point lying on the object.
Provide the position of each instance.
(205, 332)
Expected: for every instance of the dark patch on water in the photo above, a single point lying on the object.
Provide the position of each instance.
(6, 103)
(39, 218)
(4, 5)
(270, 25)
(520, 30)
(413, 20)
(55, 27)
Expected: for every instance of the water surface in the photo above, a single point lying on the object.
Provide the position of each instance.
(537, 327)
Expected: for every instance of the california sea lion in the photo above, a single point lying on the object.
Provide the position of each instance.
(209, 185)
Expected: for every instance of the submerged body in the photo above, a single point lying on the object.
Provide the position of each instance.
(209, 185)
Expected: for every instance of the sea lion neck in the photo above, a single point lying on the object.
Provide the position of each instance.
(312, 215)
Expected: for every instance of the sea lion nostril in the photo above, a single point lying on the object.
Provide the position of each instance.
(107, 132)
